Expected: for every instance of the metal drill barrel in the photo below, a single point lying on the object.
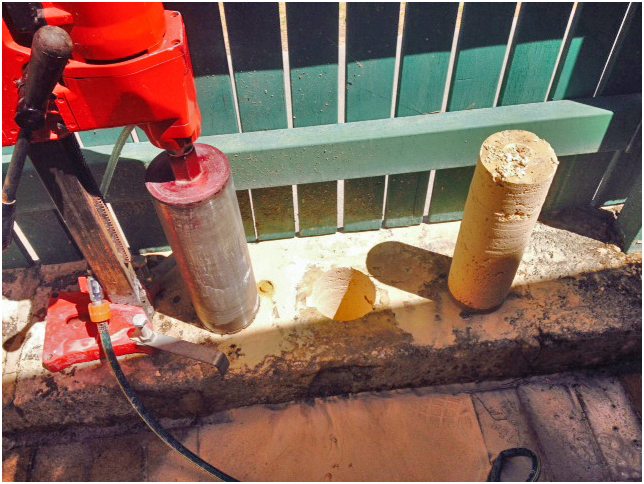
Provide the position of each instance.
(201, 219)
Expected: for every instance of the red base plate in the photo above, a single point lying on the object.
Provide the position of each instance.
(71, 338)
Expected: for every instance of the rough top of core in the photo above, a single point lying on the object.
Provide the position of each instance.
(518, 157)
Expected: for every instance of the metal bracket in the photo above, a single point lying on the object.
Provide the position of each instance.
(206, 354)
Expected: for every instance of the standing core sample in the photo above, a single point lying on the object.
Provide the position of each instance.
(510, 183)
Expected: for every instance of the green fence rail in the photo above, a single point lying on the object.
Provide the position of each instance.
(361, 116)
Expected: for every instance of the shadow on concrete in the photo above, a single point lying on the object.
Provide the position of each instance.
(408, 268)
(591, 222)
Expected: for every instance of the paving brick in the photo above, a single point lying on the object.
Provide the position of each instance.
(391, 436)
(165, 464)
(68, 462)
(118, 459)
(633, 385)
(504, 425)
(564, 433)
(16, 464)
(615, 425)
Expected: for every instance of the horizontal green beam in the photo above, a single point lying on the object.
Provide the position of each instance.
(372, 148)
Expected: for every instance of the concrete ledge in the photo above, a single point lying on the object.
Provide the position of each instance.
(576, 303)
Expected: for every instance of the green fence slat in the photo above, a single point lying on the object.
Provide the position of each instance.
(256, 51)
(48, 236)
(576, 181)
(363, 211)
(425, 55)
(313, 57)
(406, 199)
(592, 39)
(427, 44)
(626, 75)
(371, 54)
(449, 194)
(243, 199)
(317, 208)
(537, 43)
(274, 217)
(210, 66)
(372, 30)
(485, 28)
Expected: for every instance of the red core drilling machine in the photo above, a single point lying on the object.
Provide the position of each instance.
(70, 67)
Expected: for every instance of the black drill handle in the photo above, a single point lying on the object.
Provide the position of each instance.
(51, 48)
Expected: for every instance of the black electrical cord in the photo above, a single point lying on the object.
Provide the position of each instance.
(151, 422)
(497, 466)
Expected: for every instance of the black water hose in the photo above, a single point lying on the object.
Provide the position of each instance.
(497, 466)
(151, 422)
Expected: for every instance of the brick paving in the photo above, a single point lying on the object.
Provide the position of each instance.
(583, 427)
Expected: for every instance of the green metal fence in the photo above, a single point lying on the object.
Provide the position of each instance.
(366, 115)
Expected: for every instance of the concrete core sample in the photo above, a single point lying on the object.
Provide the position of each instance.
(510, 183)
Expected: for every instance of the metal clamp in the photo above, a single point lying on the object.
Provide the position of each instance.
(147, 337)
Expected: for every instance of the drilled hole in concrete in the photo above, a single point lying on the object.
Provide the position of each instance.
(266, 288)
(344, 294)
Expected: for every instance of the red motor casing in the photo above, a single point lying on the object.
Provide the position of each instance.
(130, 65)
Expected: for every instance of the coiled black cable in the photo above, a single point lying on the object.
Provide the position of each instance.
(497, 466)
(151, 422)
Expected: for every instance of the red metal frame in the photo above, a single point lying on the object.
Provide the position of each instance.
(154, 89)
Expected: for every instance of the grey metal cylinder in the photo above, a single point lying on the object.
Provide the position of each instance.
(203, 224)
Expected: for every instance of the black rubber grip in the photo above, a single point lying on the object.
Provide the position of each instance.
(51, 49)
